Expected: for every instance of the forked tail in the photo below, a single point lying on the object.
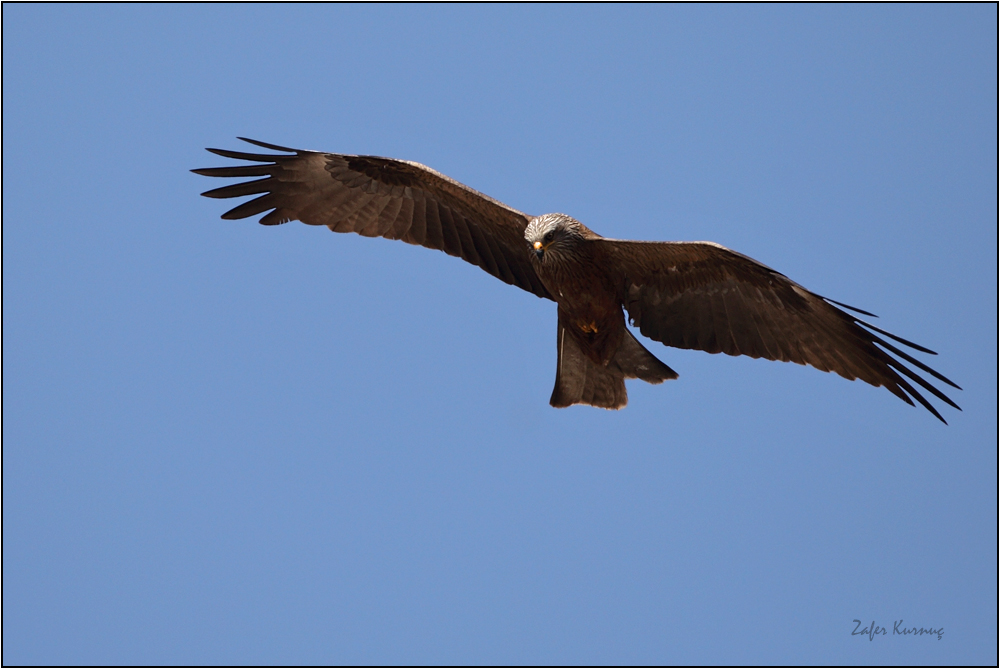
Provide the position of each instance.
(579, 380)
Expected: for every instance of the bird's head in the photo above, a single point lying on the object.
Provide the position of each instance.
(550, 235)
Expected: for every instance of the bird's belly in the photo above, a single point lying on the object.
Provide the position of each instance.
(588, 309)
(598, 332)
(595, 320)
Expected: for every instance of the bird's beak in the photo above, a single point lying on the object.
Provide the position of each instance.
(539, 249)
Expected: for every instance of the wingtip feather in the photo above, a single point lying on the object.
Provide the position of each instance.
(265, 145)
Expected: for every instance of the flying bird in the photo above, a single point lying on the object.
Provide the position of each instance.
(694, 295)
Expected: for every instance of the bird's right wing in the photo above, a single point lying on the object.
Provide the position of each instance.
(699, 295)
(382, 197)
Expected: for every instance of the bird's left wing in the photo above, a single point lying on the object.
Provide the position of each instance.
(382, 197)
(699, 295)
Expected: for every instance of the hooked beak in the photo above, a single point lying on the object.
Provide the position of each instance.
(539, 250)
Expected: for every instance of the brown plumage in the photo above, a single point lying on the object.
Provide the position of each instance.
(696, 295)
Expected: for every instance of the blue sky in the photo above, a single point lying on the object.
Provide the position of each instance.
(231, 444)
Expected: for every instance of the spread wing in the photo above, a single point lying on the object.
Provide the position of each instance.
(699, 295)
(382, 197)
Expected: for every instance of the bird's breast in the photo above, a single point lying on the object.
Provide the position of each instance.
(577, 283)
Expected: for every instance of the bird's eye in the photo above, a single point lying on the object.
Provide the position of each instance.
(549, 236)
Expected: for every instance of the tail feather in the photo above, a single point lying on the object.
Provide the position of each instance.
(579, 380)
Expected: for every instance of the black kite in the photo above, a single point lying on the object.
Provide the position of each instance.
(695, 295)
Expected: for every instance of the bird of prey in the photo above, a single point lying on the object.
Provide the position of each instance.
(694, 295)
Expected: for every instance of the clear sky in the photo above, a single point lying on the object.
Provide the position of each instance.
(231, 444)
